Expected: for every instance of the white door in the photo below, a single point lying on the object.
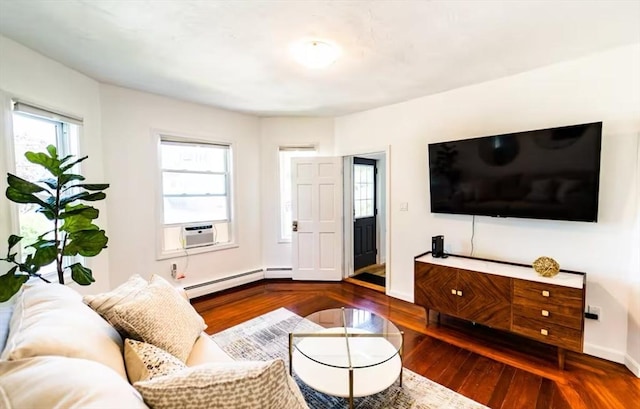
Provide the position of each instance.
(316, 204)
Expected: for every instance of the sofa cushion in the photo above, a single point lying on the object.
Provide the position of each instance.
(103, 303)
(235, 385)
(159, 315)
(205, 350)
(51, 319)
(145, 361)
(60, 382)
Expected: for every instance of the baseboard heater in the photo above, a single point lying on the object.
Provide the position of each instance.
(208, 287)
(278, 272)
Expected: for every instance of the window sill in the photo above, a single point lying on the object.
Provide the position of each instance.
(196, 250)
(284, 241)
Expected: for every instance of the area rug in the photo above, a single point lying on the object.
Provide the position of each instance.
(371, 278)
(267, 337)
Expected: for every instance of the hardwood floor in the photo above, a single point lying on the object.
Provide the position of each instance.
(494, 368)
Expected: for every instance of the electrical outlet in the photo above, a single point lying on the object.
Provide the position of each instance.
(593, 312)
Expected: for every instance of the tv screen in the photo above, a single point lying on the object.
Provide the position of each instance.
(543, 174)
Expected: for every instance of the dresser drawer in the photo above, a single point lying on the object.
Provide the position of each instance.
(553, 314)
(544, 331)
(547, 294)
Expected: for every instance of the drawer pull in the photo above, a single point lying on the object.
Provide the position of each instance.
(459, 293)
(453, 291)
(545, 293)
(545, 313)
(544, 332)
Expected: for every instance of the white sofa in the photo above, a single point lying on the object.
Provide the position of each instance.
(60, 353)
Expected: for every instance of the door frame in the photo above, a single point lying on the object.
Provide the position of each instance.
(385, 152)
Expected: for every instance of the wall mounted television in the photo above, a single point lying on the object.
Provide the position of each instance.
(543, 174)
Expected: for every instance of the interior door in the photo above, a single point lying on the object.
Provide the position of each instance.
(365, 212)
(316, 204)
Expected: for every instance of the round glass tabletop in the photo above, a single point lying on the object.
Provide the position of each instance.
(347, 338)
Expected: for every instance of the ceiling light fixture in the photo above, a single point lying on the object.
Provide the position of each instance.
(315, 54)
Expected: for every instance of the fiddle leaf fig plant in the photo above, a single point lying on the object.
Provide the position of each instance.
(60, 199)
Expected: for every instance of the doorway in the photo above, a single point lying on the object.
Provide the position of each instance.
(365, 194)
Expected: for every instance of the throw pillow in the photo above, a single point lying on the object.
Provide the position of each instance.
(51, 319)
(238, 385)
(61, 382)
(104, 303)
(145, 361)
(159, 315)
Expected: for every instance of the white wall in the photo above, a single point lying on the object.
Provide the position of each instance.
(276, 132)
(603, 87)
(129, 119)
(30, 76)
(632, 359)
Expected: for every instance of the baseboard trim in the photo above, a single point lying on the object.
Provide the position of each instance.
(399, 295)
(632, 364)
(604, 353)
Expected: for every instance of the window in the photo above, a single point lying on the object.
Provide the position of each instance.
(285, 155)
(196, 184)
(33, 130)
(363, 190)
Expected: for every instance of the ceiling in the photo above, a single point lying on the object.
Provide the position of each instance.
(235, 54)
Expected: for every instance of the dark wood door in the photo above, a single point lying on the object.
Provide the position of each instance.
(365, 212)
(485, 299)
(433, 287)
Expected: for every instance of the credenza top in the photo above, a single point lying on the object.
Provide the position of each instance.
(506, 270)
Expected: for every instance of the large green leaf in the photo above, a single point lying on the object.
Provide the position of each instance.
(68, 177)
(71, 164)
(53, 151)
(13, 240)
(48, 213)
(49, 163)
(19, 197)
(88, 212)
(87, 243)
(45, 255)
(86, 196)
(77, 223)
(93, 186)
(10, 284)
(81, 275)
(22, 185)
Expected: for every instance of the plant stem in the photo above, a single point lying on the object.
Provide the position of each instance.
(55, 233)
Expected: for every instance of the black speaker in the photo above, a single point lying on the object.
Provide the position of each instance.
(437, 246)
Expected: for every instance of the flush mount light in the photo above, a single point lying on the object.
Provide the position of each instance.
(315, 54)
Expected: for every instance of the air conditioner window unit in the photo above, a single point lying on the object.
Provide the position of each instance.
(198, 235)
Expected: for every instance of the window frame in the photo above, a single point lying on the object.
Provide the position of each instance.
(303, 148)
(64, 145)
(159, 137)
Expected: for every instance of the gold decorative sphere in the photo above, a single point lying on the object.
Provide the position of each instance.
(546, 266)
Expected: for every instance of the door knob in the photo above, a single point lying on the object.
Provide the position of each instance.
(294, 225)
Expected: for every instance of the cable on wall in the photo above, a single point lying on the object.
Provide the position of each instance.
(473, 232)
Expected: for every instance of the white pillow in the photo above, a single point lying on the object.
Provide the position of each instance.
(103, 303)
(51, 319)
(145, 361)
(159, 315)
(60, 382)
(238, 385)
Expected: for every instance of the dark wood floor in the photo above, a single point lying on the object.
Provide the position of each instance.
(490, 367)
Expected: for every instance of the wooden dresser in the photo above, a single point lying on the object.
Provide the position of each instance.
(505, 296)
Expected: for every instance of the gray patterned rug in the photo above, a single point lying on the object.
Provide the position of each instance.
(267, 337)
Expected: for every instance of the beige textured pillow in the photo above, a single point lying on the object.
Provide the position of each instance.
(103, 303)
(61, 382)
(51, 319)
(145, 361)
(238, 385)
(159, 315)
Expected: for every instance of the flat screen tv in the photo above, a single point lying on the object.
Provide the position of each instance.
(543, 174)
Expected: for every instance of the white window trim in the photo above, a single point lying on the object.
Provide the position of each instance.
(52, 114)
(161, 254)
(293, 147)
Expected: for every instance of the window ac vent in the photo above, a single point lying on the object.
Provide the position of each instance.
(198, 235)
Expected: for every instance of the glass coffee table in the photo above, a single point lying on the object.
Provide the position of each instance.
(346, 352)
